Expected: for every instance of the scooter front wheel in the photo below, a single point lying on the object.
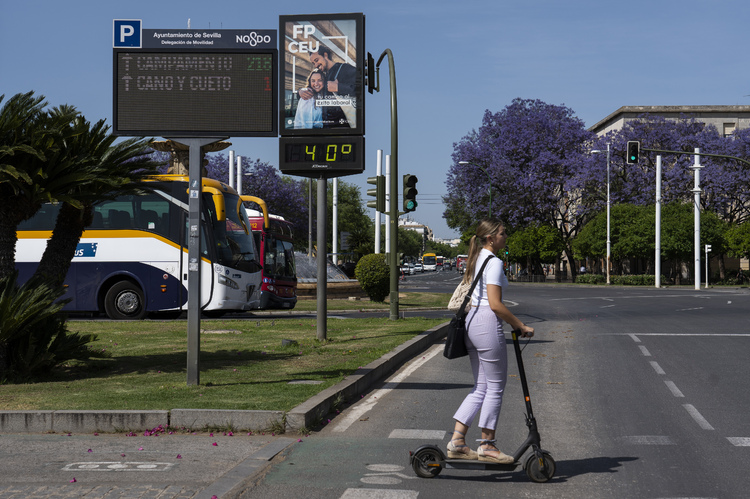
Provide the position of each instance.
(426, 463)
(540, 469)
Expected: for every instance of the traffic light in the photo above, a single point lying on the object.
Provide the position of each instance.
(634, 150)
(378, 192)
(410, 193)
(370, 71)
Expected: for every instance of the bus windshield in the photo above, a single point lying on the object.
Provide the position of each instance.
(279, 258)
(234, 241)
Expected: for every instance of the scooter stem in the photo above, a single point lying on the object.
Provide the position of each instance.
(522, 375)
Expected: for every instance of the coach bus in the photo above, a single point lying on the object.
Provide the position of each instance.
(133, 259)
(429, 262)
(273, 238)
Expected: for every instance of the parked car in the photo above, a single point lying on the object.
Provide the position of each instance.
(407, 269)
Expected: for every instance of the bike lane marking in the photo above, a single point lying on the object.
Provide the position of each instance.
(356, 412)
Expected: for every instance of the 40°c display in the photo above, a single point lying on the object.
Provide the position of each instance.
(321, 154)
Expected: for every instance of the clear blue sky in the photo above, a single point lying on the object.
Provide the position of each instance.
(453, 61)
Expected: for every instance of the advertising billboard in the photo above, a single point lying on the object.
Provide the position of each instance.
(322, 74)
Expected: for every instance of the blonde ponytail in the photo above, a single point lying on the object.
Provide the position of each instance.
(486, 227)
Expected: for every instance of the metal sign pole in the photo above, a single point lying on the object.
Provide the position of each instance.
(194, 255)
(322, 308)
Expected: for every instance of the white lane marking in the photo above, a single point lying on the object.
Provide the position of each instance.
(356, 412)
(688, 309)
(702, 422)
(737, 335)
(673, 388)
(607, 306)
(740, 441)
(635, 297)
(379, 494)
(682, 334)
(645, 351)
(384, 468)
(380, 480)
(635, 338)
(418, 434)
(657, 367)
(648, 440)
(387, 474)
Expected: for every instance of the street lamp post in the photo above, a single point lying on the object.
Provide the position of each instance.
(489, 180)
(608, 206)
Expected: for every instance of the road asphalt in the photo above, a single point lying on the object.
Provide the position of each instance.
(166, 454)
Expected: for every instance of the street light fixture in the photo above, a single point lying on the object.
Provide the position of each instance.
(596, 151)
(489, 179)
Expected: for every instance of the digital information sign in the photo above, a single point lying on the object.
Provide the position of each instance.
(322, 80)
(321, 156)
(195, 82)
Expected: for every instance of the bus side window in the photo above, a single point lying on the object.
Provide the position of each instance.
(119, 219)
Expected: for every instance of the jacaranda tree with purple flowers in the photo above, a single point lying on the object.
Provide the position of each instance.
(725, 183)
(532, 153)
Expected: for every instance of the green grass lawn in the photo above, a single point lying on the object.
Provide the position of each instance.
(243, 364)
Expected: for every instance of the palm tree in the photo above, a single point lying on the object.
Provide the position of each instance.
(59, 156)
(29, 138)
(103, 170)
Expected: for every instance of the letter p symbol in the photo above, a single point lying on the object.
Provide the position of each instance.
(126, 31)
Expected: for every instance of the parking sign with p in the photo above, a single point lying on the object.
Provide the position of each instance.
(126, 33)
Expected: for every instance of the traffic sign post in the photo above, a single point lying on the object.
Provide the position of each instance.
(708, 250)
(197, 87)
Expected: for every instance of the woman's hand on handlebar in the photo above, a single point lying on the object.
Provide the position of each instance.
(526, 331)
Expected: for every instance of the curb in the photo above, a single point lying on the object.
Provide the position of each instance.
(313, 410)
(304, 415)
(236, 481)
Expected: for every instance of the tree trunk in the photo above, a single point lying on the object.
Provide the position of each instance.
(572, 264)
(61, 247)
(8, 238)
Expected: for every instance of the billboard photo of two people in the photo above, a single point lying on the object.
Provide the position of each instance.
(322, 67)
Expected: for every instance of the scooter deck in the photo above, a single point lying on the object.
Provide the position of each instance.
(474, 464)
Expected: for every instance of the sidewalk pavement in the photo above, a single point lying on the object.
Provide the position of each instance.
(107, 454)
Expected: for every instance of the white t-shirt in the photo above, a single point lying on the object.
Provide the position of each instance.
(494, 273)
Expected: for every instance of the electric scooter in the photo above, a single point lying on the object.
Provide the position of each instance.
(428, 460)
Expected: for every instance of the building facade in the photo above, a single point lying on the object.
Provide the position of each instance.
(726, 119)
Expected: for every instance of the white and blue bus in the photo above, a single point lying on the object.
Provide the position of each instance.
(133, 259)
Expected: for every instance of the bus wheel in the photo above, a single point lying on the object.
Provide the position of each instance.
(125, 301)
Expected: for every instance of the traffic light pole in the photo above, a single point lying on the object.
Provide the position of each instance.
(394, 186)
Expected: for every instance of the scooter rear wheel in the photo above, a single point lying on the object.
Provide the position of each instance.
(426, 463)
(540, 472)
